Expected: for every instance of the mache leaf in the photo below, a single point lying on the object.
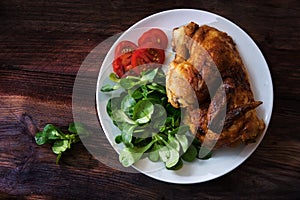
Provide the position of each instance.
(190, 154)
(120, 116)
(142, 111)
(173, 158)
(60, 146)
(149, 75)
(129, 156)
(41, 138)
(182, 139)
(127, 105)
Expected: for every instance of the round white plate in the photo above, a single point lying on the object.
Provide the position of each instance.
(223, 160)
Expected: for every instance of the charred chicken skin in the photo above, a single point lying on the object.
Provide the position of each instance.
(208, 79)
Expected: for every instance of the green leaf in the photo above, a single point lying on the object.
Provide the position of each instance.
(173, 142)
(169, 153)
(129, 82)
(157, 87)
(158, 119)
(173, 159)
(182, 130)
(145, 91)
(182, 139)
(77, 128)
(196, 143)
(107, 88)
(60, 146)
(177, 166)
(120, 116)
(53, 133)
(72, 128)
(40, 138)
(109, 107)
(129, 156)
(137, 93)
(164, 153)
(190, 154)
(142, 111)
(113, 104)
(127, 133)
(127, 105)
(154, 153)
(149, 75)
(154, 100)
(118, 139)
(204, 153)
(113, 77)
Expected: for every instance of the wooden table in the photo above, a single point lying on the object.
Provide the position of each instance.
(42, 46)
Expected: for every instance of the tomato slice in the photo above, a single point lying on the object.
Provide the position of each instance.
(156, 37)
(151, 52)
(123, 47)
(122, 64)
(147, 58)
(139, 57)
(156, 55)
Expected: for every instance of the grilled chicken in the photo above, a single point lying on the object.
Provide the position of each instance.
(208, 78)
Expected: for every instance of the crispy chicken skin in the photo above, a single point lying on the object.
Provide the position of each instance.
(208, 78)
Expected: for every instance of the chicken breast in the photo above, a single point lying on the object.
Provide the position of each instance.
(208, 78)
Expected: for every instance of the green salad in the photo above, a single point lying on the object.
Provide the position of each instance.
(149, 125)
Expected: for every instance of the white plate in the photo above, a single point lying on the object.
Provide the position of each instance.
(224, 160)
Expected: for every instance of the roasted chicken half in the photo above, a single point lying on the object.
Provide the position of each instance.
(208, 79)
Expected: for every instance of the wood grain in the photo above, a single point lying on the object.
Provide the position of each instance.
(42, 46)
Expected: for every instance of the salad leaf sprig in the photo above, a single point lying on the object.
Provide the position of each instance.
(150, 126)
(60, 141)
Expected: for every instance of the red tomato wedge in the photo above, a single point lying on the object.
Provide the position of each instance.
(149, 56)
(154, 37)
(123, 47)
(122, 63)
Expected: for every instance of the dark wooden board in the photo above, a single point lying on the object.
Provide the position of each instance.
(42, 46)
